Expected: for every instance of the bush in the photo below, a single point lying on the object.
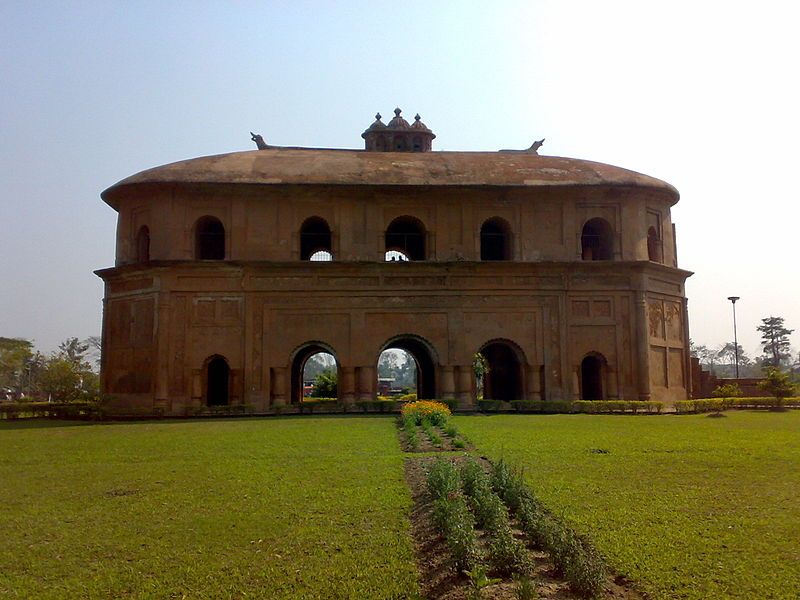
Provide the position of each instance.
(729, 390)
(617, 406)
(542, 406)
(407, 398)
(443, 479)
(489, 405)
(435, 412)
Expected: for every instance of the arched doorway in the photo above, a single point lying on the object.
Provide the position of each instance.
(597, 240)
(495, 240)
(424, 364)
(406, 235)
(313, 359)
(592, 367)
(218, 377)
(503, 377)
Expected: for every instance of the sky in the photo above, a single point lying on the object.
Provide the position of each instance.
(700, 94)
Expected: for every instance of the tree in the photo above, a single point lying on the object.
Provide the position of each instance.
(73, 350)
(774, 340)
(727, 356)
(325, 385)
(15, 356)
(777, 383)
(61, 379)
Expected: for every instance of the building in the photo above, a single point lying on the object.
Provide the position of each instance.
(232, 270)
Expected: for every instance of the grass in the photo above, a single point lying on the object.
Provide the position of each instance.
(688, 507)
(309, 507)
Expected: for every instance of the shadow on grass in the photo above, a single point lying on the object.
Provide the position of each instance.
(44, 423)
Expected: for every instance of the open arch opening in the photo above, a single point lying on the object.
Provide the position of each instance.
(423, 363)
(143, 244)
(503, 377)
(495, 240)
(218, 377)
(308, 364)
(653, 245)
(209, 239)
(597, 240)
(397, 373)
(592, 368)
(406, 235)
(315, 237)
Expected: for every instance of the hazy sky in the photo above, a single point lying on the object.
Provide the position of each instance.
(701, 94)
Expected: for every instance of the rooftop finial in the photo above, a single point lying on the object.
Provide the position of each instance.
(377, 116)
(397, 112)
(417, 117)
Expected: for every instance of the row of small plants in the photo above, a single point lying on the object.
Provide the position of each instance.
(705, 405)
(468, 499)
(434, 419)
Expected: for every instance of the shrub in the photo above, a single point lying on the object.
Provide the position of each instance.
(509, 485)
(542, 406)
(777, 383)
(454, 520)
(435, 412)
(432, 435)
(450, 430)
(408, 398)
(452, 516)
(489, 405)
(443, 479)
(729, 390)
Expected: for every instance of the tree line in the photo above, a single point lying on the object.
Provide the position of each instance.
(775, 346)
(67, 374)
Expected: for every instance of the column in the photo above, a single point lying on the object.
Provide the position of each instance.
(464, 387)
(348, 384)
(534, 382)
(366, 383)
(448, 382)
(643, 346)
(279, 394)
(576, 383)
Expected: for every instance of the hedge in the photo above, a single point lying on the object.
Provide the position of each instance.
(53, 410)
(704, 405)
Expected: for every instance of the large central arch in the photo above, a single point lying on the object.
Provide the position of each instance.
(299, 358)
(425, 358)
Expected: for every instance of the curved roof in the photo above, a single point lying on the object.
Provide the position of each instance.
(306, 166)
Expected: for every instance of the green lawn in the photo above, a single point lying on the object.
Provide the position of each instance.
(273, 508)
(687, 506)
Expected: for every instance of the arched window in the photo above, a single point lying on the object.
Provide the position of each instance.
(308, 363)
(315, 236)
(592, 368)
(217, 381)
(406, 236)
(400, 143)
(417, 144)
(597, 240)
(209, 239)
(143, 245)
(495, 240)
(653, 245)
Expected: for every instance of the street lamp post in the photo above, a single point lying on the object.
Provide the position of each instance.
(733, 300)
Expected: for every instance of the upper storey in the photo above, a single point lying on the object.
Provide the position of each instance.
(394, 199)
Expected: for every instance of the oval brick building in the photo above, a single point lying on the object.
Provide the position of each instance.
(232, 270)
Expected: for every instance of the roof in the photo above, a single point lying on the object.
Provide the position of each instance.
(307, 166)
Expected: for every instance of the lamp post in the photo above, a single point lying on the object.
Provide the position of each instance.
(733, 300)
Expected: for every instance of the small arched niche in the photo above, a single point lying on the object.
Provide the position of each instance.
(217, 381)
(653, 245)
(593, 370)
(597, 240)
(315, 238)
(209, 239)
(406, 236)
(143, 244)
(495, 239)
